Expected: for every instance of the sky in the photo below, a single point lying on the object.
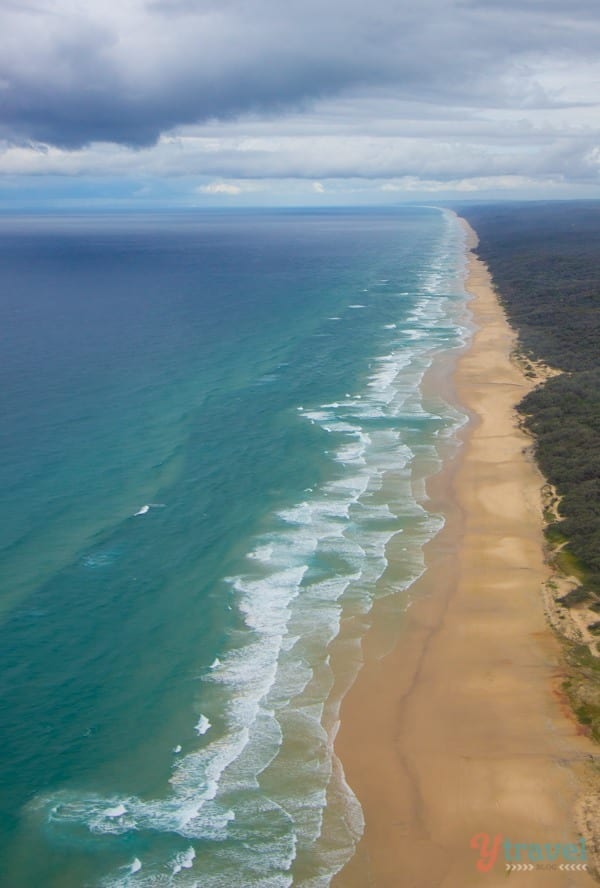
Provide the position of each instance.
(285, 102)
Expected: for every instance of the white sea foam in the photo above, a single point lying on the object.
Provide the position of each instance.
(202, 726)
(261, 553)
(182, 861)
(99, 559)
(265, 603)
(145, 509)
(117, 811)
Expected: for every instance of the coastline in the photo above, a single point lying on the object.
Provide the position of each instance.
(462, 729)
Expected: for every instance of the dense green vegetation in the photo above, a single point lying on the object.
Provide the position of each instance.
(545, 262)
(583, 687)
(564, 416)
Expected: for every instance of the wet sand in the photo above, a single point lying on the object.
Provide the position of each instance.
(462, 728)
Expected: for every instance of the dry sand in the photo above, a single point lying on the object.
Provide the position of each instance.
(462, 729)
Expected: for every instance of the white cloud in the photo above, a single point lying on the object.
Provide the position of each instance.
(231, 159)
(475, 184)
(220, 188)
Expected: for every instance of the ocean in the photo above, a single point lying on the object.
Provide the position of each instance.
(213, 425)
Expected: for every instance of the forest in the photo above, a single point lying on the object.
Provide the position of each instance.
(545, 262)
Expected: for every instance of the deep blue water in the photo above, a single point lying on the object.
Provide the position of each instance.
(253, 377)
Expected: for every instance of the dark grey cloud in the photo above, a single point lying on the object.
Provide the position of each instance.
(125, 71)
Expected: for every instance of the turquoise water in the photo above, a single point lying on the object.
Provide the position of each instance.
(200, 412)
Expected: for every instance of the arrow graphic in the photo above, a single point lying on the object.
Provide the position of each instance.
(527, 867)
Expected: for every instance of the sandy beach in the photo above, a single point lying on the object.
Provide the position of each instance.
(462, 729)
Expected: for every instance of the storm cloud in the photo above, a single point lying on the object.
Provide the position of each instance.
(125, 71)
(250, 89)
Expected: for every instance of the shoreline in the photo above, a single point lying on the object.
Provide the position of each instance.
(462, 728)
